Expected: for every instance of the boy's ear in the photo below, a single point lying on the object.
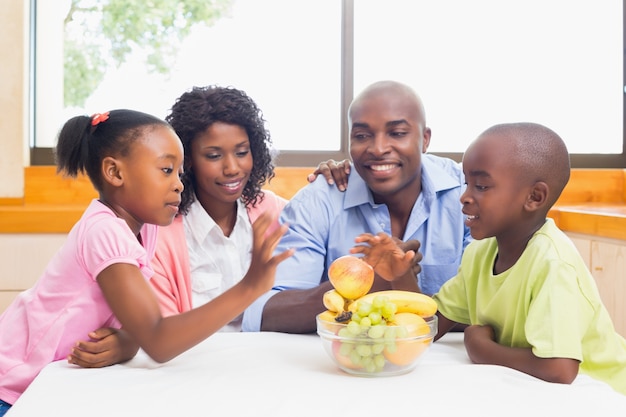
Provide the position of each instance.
(538, 196)
(111, 171)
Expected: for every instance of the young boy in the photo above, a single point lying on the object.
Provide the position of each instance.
(529, 300)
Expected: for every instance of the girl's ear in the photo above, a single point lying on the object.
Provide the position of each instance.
(538, 196)
(111, 171)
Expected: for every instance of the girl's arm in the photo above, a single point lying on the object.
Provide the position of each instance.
(482, 348)
(135, 305)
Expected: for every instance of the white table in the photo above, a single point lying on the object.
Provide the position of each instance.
(273, 374)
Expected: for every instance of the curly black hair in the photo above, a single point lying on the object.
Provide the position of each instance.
(195, 110)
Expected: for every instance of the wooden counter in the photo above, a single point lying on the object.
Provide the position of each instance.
(593, 203)
(596, 219)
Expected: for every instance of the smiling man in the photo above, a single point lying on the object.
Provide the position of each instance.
(395, 188)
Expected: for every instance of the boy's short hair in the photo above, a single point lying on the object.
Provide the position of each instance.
(540, 153)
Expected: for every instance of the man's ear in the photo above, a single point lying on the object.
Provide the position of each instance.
(426, 139)
(538, 196)
(111, 172)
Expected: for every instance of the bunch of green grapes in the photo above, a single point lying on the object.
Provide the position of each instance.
(370, 333)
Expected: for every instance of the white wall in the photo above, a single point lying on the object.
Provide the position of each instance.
(23, 257)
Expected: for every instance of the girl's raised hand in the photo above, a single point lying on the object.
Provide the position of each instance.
(262, 270)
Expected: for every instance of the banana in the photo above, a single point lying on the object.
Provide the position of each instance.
(328, 316)
(334, 301)
(334, 317)
(406, 301)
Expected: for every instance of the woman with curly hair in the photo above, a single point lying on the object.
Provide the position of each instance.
(209, 117)
(228, 160)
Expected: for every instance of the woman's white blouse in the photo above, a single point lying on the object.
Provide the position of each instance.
(217, 262)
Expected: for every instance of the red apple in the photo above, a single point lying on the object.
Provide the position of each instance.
(351, 276)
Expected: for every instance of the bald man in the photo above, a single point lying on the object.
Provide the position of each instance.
(395, 187)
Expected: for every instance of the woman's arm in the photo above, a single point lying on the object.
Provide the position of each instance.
(334, 172)
(107, 346)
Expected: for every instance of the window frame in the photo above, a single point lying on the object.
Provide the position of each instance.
(45, 156)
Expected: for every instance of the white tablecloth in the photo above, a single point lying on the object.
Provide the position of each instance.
(273, 374)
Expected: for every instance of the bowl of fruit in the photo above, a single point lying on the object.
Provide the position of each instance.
(384, 333)
(379, 333)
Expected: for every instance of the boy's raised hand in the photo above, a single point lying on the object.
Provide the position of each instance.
(390, 257)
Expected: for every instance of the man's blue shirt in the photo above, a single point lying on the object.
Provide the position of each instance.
(323, 223)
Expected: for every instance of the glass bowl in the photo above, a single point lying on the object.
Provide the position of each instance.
(386, 351)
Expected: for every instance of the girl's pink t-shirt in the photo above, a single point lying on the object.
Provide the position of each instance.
(44, 322)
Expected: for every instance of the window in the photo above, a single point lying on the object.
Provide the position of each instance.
(289, 66)
(474, 63)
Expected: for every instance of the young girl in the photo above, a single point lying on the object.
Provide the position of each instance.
(99, 277)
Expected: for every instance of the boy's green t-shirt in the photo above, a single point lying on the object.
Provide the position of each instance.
(547, 301)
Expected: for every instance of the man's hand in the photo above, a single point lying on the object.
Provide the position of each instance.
(390, 258)
(412, 245)
(107, 346)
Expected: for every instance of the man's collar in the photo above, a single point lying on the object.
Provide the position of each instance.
(357, 192)
(435, 178)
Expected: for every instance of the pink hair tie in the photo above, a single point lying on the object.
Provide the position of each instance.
(99, 118)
